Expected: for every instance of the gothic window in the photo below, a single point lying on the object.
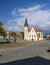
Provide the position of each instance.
(32, 35)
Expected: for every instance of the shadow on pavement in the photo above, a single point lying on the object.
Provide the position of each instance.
(4, 42)
(30, 61)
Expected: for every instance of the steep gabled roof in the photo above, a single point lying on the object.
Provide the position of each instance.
(36, 30)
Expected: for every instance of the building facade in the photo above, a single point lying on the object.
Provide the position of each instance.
(33, 34)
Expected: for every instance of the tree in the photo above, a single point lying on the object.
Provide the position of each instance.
(14, 37)
(2, 29)
(22, 33)
(1, 24)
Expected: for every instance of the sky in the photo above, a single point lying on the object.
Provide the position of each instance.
(14, 12)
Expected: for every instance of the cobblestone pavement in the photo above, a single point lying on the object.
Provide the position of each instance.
(36, 49)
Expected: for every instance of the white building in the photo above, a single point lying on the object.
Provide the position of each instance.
(33, 34)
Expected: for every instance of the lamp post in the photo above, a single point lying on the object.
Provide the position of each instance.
(14, 37)
(7, 36)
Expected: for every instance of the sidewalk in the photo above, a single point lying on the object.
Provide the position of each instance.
(17, 45)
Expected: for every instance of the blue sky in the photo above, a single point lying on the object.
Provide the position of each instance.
(14, 12)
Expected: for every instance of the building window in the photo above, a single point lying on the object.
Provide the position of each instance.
(29, 36)
(34, 36)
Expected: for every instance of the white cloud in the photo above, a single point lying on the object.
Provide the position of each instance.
(15, 28)
(29, 9)
(13, 12)
(36, 17)
(33, 8)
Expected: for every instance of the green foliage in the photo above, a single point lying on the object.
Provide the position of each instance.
(1, 24)
(22, 34)
(2, 29)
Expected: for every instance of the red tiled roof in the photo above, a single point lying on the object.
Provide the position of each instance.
(12, 33)
(19, 34)
(38, 30)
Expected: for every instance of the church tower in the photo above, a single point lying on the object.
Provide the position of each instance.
(26, 30)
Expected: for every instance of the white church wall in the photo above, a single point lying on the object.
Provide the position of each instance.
(32, 35)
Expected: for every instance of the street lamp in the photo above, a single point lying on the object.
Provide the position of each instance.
(7, 36)
(14, 37)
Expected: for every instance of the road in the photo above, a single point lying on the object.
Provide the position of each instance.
(37, 49)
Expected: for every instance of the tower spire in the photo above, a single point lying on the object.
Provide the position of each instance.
(26, 23)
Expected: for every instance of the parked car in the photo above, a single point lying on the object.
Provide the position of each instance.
(12, 38)
(1, 37)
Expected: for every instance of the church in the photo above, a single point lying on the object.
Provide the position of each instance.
(33, 34)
